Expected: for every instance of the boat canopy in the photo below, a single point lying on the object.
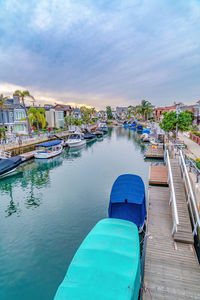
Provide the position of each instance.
(49, 144)
(127, 199)
(106, 265)
(140, 127)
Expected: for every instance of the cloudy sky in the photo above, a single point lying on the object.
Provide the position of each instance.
(101, 52)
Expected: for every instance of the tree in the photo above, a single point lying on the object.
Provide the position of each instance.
(168, 123)
(38, 116)
(69, 120)
(3, 107)
(184, 121)
(109, 112)
(171, 122)
(23, 95)
(2, 132)
(145, 108)
(85, 113)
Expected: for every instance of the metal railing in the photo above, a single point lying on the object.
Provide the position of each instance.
(189, 194)
(5, 155)
(192, 167)
(172, 194)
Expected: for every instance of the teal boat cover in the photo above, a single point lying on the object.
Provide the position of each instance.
(106, 265)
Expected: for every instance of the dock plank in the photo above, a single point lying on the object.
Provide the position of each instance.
(152, 152)
(158, 175)
(171, 268)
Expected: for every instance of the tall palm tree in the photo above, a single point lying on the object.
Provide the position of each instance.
(23, 95)
(38, 116)
(3, 107)
(145, 108)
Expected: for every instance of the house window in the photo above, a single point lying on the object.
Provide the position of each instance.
(19, 115)
(18, 128)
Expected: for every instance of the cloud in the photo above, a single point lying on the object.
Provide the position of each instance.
(105, 52)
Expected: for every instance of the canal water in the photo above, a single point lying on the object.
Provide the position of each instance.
(49, 206)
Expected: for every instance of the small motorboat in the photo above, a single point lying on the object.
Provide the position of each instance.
(106, 265)
(48, 149)
(145, 137)
(75, 140)
(89, 137)
(127, 200)
(9, 165)
(104, 128)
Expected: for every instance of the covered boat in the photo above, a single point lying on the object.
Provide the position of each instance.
(8, 165)
(139, 127)
(88, 136)
(127, 200)
(106, 265)
(146, 130)
(48, 149)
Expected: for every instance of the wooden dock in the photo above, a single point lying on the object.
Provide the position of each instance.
(184, 232)
(154, 152)
(158, 175)
(171, 268)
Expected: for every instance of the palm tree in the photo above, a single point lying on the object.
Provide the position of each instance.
(3, 107)
(22, 95)
(145, 108)
(38, 116)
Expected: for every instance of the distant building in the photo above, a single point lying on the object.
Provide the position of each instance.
(121, 112)
(157, 113)
(14, 116)
(54, 117)
(77, 113)
(194, 108)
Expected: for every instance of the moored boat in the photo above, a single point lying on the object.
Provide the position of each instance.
(127, 200)
(75, 140)
(9, 165)
(98, 133)
(104, 128)
(89, 137)
(48, 149)
(145, 137)
(139, 128)
(106, 265)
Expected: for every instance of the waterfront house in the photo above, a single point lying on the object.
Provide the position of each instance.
(67, 109)
(14, 116)
(121, 112)
(77, 113)
(54, 117)
(158, 112)
(194, 108)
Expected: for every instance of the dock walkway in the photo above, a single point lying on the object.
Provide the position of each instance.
(171, 268)
(184, 230)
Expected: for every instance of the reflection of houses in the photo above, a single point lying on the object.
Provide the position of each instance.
(121, 112)
(14, 116)
(157, 113)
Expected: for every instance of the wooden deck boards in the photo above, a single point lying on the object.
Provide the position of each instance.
(171, 268)
(184, 232)
(158, 175)
(154, 152)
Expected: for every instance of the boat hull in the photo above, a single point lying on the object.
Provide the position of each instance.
(46, 155)
(75, 143)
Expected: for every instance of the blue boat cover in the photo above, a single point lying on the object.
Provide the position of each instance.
(7, 165)
(106, 265)
(147, 130)
(140, 127)
(127, 199)
(49, 144)
(133, 125)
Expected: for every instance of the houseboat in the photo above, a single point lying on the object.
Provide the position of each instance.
(48, 149)
(75, 140)
(127, 200)
(106, 266)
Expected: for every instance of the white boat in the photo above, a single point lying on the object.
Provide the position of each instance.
(48, 149)
(75, 140)
(145, 137)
